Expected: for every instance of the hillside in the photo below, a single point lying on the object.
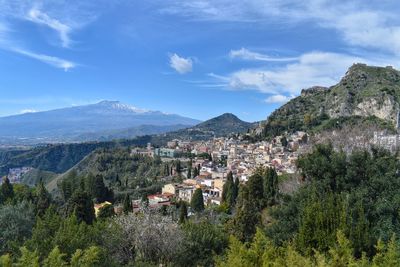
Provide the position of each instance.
(223, 125)
(71, 124)
(365, 93)
(59, 158)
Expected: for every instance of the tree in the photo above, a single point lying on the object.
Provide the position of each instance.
(28, 258)
(271, 186)
(195, 172)
(183, 214)
(43, 199)
(127, 204)
(197, 202)
(255, 186)
(236, 188)
(90, 257)
(16, 223)
(55, 259)
(82, 206)
(5, 260)
(189, 172)
(284, 141)
(150, 237)
(201, 242)
(44, 231)
(7, 191)
(229, 191)
(247, 216)
(178, 167)
(106, 211)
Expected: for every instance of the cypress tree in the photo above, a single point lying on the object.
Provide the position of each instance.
(271, 186)
(197, 202)
(228, 191)
(178, 167)
(255, 186)
(236, 189)
(82, 206)
(189, 173)
(127, 204)
(183, 214)
(247, 216)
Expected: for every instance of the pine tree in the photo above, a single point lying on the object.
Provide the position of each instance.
(43, 200)
(55, 259)
(28, 258)
(89, 257)
(197, 202)
(6, 261)
(127, 204)
(66, 189)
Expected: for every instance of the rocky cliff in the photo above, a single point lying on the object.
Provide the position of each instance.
(364, 92)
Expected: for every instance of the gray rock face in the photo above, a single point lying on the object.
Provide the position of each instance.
(364, 91)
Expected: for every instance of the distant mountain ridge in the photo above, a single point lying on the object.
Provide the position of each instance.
(365, 93)
(59, 158)
(68, 124)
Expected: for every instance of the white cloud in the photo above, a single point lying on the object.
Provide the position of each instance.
(24, 111)
(180, 64)
(277, 99)
(365, 24)
(39, 17)
(246, 54)
(314, 68)
(50, 60)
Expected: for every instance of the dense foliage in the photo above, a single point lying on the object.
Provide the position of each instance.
(344, 214)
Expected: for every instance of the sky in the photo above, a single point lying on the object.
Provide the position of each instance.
(196, 58)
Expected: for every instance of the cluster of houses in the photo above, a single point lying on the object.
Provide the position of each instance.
(15, 174)
(225, 155)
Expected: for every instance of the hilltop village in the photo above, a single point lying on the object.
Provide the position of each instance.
(211, 162)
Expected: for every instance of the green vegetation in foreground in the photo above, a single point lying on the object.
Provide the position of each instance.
(345, 214)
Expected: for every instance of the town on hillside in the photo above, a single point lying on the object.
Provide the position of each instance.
(208, 163)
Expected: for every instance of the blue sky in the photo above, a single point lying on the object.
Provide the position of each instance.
(198, 58)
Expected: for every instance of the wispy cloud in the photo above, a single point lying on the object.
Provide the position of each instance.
(311, 69)
(246, 54)
(359, 23)
(50, 60)
(63, 30)
(180, 64)
(24, 111)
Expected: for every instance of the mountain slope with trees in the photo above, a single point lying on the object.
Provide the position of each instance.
(365, 94)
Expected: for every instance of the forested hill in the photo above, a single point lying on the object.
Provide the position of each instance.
(223, 125)
(60, 157)
(364, 93)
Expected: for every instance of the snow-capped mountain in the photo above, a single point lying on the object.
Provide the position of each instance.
(67, 124)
